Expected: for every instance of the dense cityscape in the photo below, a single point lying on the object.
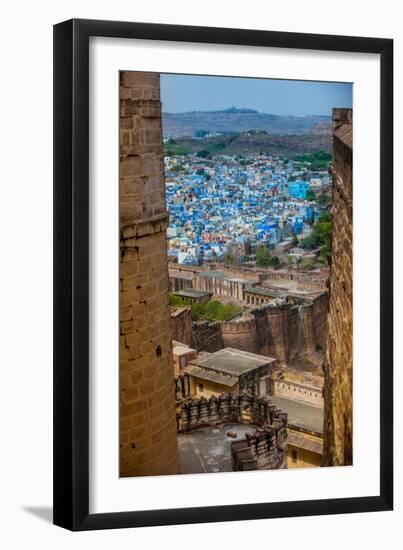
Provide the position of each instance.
(225, 207)
(235, 280)
(248, 248)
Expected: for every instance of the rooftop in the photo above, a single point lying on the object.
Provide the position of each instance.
(312, 445)
(191, 293)
(212, 274)
(232, 361)
(177, 311)
(211, 375)
(238, 280)
(262, 291)
(209, 449)
(300, 414)
(182, 274)
(287, 286)
(181, 349)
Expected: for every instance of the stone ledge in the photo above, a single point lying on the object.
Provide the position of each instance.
(152, 225)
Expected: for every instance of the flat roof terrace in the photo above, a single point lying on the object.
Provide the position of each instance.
(287, 285)
(192, 293)
(211, 375)
(181, 274)
(238, 280)
(232, 361)
(263, 291)
(220, 275)
(212, 274)
(300, 414)
(208, 450)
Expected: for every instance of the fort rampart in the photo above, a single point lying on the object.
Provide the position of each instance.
(181, 322)
(207, 336)
(281, 329)
(265, 448)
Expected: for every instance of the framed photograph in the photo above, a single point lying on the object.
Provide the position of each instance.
(223, 303)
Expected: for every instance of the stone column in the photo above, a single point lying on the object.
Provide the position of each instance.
(338, 366)
(148, 441)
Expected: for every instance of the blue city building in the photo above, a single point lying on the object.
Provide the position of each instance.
(309, 214)
(306, 212)
(298, 226)
(298, 189)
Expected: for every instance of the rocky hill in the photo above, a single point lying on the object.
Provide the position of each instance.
(235, 120)
(324, 128)
(251, 143)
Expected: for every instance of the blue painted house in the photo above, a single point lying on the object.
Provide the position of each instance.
(298, 189)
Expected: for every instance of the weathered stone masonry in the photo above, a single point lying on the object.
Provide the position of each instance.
(181, 321)
(265, 448)
(338, 366)
(275, 325)
(281, 329)
(148, 441)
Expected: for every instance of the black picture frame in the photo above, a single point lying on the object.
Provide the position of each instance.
(71, 274)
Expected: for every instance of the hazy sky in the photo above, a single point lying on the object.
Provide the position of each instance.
(181, 93)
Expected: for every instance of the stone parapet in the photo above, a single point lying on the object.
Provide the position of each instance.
(239, 408)
(262, 449)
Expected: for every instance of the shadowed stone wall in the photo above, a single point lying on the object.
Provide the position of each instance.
(148, 443)
(338, 366)
(207, 336)
(241, 334)
(181, 320)
(283, 329)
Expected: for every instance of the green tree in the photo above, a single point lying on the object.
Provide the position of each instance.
(203, 154)
(320, 236)
(264, 258)
(324, 199)
(213, 310)
(307, 264)
(310, 242)
(310, 195)
(230, 258)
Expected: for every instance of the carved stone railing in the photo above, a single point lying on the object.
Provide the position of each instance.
(264, 448)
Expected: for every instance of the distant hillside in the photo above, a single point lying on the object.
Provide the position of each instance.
(250, 143)
(237, 120)
(322, 128)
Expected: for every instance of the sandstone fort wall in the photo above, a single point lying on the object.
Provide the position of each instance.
(281, 330)
(207, 336)
(300, 392)
(338, 366)
(148, 444)
(240, 334)
(181, 322)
